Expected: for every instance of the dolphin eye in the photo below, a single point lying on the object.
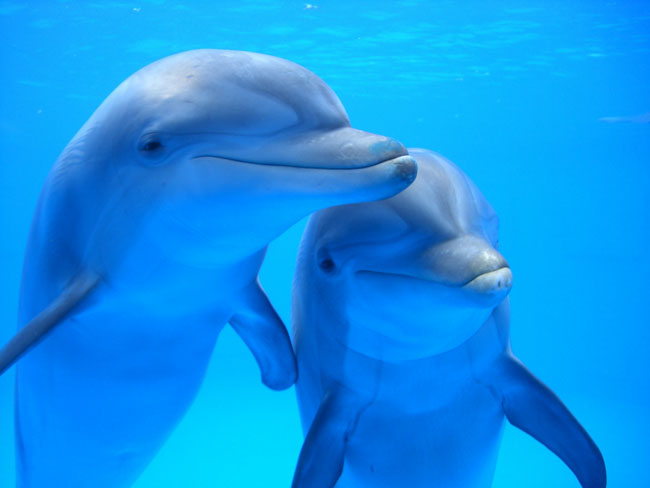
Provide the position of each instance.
(326, 265)
(151, 146)
(324, 260)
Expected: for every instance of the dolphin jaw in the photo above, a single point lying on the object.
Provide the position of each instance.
(491, 286)
(405, 166)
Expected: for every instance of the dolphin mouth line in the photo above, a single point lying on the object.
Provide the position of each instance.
(397, 159)
(485, 274)
(428, 280)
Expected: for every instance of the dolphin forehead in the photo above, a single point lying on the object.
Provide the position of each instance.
(232, 92)
(444, 202)
(441, 205)
(236, 105)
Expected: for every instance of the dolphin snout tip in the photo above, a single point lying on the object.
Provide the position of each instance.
(388, 148)
(497, 282)
(502, 280)
(405, 169)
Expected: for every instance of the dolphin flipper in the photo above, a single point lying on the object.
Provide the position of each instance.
(532, 407)
(50, 317)
(260, 327)
(321, 458)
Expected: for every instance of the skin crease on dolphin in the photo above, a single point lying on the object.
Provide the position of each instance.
(401, 331)
(148, 238)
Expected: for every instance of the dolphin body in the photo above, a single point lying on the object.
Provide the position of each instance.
(401, 331)
(148, 238)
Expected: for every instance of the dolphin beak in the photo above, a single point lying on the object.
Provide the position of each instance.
(321, 168)
(489, 276)
(352, 165)
(351, 185)
(339, 148)
(342, 148)
(467, 264)
(316, 187)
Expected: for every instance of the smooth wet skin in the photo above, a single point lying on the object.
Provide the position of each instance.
(401, 329)
(147, 240)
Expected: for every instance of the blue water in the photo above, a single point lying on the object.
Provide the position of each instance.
(510, 91)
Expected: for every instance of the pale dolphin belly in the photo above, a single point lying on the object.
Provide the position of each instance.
(106, 389)
(453, 446)
(423, 423)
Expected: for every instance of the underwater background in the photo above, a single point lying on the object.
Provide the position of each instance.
(511, 91)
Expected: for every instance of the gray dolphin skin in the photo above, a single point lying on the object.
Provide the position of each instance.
(148, 238)
(401, 331)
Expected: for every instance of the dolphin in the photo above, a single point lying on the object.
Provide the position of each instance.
(148, 238)
(401, 332)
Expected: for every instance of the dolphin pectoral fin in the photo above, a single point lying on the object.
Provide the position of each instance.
(260, 327)
(532, 407)
(322, 455)
(36, 329)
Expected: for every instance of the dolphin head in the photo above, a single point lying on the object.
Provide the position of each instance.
(417, 274)
(224, 150)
